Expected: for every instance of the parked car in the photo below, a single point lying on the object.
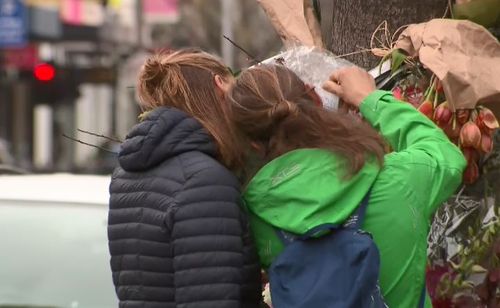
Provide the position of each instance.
(53, 244)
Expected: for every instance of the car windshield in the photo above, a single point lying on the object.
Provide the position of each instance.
(54, 255)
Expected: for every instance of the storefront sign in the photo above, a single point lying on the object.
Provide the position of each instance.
(160, 11)
(20, 58)
(12, 23)
(82, 12)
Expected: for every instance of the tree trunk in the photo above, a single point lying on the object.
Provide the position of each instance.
(353, 22)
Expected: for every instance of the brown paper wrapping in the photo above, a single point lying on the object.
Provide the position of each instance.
(294, 21)
(313, 24)
(463, 55)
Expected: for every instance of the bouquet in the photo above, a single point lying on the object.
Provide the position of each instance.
(451, 79)
(447, 69)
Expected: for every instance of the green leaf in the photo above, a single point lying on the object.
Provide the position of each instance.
(234, 73)
(484, 12)
(387, 56)
(397, 59)
(237, 73)
(478, 269)
(143, 116)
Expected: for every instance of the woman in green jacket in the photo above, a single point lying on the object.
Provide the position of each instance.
(318, 165)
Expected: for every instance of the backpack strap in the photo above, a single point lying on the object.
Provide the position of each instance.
(421, 304)
(285, 237)
(354, 222)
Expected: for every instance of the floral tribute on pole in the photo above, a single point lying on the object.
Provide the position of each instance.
(448, 70)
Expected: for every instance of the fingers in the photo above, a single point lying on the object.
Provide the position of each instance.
(333, 87)
(351, 85)
(335, 76)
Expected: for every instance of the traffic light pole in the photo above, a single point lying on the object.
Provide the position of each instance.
(42, 137)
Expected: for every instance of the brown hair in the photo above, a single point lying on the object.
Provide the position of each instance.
(184, 79)
(272, 106)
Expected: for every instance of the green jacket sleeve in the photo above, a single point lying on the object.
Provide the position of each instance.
(430, 163)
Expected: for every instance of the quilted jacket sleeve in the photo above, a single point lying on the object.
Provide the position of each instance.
(207, 238)
(251, 290)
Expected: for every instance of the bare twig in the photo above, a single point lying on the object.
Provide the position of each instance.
(99, 135)
(449, 8)
(89, 144)
(254, 59)
(460, 193)
(396, 34)
(353, 53)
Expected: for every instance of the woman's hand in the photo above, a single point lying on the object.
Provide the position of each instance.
(352, 85)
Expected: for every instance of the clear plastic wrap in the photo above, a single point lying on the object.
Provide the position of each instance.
(462, 253)
(449, 228)
(313, 66)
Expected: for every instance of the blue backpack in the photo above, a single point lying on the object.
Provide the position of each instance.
(339, 269)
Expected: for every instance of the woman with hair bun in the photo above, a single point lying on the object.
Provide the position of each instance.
(318, 166)
(177, 235)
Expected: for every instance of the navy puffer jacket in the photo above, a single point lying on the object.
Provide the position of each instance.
(177, 235)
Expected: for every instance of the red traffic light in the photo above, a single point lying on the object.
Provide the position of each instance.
(44, 72)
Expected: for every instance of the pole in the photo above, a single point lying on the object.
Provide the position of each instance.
(228, 7)
(42, 137)
(140, 26)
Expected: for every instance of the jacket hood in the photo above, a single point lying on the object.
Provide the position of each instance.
(307, 187)
(164, 133)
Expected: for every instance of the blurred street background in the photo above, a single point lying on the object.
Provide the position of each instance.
(70, 65)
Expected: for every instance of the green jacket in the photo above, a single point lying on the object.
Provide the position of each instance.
(304, 188)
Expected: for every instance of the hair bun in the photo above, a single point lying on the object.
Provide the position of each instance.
(152, 67)
(282, 110)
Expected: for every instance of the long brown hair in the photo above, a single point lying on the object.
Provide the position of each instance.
(184, 79)
(272, 106)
